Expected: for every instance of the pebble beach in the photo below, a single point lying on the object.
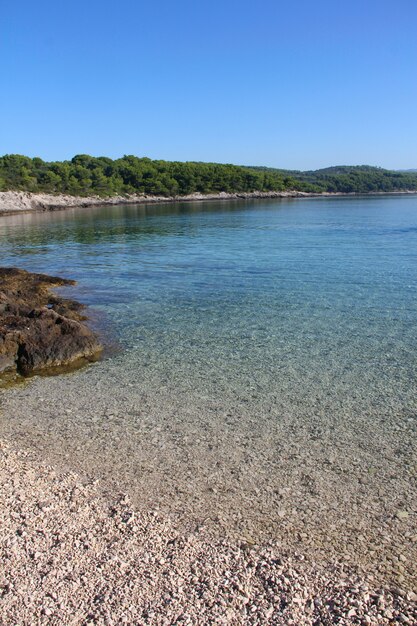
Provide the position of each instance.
(69, 557)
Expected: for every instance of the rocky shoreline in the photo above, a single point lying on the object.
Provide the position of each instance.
(23, 201)
(38, 328)
(20, 201)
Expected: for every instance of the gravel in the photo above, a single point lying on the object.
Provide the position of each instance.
(69, 555)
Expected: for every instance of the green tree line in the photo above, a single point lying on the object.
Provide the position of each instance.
(353, 179)
(86, 175)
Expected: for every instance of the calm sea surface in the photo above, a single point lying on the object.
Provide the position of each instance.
(257, 338)
(315, 291)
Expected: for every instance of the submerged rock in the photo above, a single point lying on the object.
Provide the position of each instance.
(39, 329)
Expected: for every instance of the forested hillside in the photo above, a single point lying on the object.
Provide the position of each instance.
(349, 179)
(85, 175)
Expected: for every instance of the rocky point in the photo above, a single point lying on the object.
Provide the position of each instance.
(38, 328)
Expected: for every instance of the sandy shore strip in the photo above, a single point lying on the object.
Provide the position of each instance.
(25, 201)
(70, 557)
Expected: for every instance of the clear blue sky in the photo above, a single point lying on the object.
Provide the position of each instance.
(301, 84)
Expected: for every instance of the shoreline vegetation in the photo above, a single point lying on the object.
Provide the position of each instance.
(32, 184)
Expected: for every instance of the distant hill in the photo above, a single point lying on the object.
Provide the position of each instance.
(353, 178)
(87, 175)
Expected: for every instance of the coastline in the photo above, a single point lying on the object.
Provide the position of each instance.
(26, 202)
(70, 556)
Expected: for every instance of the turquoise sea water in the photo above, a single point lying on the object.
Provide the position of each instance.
(265, 345)
(243, 293)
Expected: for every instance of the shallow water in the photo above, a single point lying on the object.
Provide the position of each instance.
(267, 378)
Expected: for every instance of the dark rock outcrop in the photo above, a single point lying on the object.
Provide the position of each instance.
(39, 329)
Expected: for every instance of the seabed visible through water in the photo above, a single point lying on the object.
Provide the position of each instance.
(266, 381)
